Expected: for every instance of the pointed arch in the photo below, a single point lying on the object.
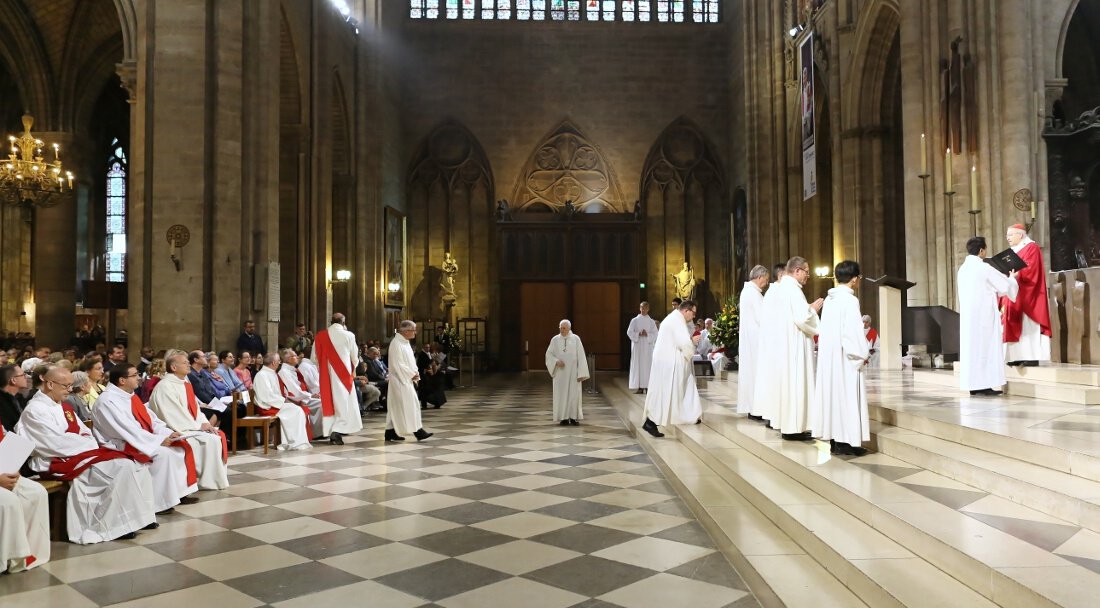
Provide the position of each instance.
(294, 152)
(342, 157)
(566, 166)
(21, 47)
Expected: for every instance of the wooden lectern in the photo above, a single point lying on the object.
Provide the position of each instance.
(890, 291)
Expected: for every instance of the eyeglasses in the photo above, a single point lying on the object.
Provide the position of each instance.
(132, 376)
(67, 387)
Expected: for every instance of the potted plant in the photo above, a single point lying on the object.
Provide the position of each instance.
(724, 333)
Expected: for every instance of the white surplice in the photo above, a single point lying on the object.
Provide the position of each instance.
(839, 408)
(641, 350)
(673, 397)
(109, 499)
(292, 418)
(981, 350)
(346, 418)
(785, 380)
(24, 524)
(749, 306)
(292, 384)
(767, 355)
(169, 403)
(403, 408)
(311, 374)
(116, 427)
(567, 380)
(1033, 345)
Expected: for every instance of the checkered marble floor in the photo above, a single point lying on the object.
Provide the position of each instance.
(501, 507)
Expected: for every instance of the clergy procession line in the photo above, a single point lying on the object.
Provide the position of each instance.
(123, 460)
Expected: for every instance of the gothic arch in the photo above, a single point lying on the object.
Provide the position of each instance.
(1063, 31)
(294, 216)
(688, 212)
(87, 65)
(568, 167)
(1082, 72)
(21, 47)
(343, 191)
(450, 208)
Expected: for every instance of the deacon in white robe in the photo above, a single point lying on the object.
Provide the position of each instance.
(673, 397)
(767, 355)
(749, 306)
(108, 499)
(336, 355)
(403, 410)
(173, 401)
(790, 354)
(122, 422)
(568, 367)
(839, 412)
(981, 354)
(24, 521)
(642, 332)
(297, 391)
(271, 401)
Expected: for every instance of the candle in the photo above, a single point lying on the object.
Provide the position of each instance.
(923, 156)
(948, 177)
(1033, 210)
(974, 188)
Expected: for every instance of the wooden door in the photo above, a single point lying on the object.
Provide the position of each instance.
(596, 319)
(542, 307)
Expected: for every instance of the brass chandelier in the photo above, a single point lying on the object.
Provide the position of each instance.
(28, 179)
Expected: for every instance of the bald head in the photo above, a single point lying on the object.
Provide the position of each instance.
(57, 383)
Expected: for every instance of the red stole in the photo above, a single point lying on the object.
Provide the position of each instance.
(72, 467)
(328, 358)
(872, 335)
(192, 404)
(1031, 299)
(275, 411)
(141, 413)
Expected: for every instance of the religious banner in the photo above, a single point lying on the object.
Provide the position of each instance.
(809, 147)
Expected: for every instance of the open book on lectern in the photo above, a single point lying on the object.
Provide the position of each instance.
(1006, 261)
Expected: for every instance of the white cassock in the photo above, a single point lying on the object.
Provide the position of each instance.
(174, 403)
(839, 408)
(336, 353)
(872, 344)
(24, 524)
(403, 410)
(768, 355)
(785, 379)
(293, 421)
(110, 498)
(748, 338)
(567, 389)
(292, 385)
(310, 374)
(641, 350)
(981, 350)
(672, 397)
(116, 426)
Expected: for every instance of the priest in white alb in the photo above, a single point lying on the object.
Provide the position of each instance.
(24, 519)
(642, 333)
(981, 352)
(173, 401)
(111, 493)
(271, 400)
(673, 397)
(1027, 318)
(568, 367)
(297, 391)
(766, 353)
(839, 410)
(748, 335)
(336, 354)
(403, 411)
(122, 422)
(790, 365)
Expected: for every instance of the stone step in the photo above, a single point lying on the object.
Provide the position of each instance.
(1063, 373)
(1080, 394)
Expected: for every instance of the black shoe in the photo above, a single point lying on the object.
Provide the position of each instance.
(757, 418)
(838, 449)
(421, 434)
(638, 392)
(336, 439)
(152, 526)
(573, 422)
(858, 451)
(188, 500)
(803, 436)
(128, 536)
(564, 422)
(699, 421)
(438, 406)
(651, 428)
(1029, 363)
(168, 511)
(391, 435)
(1014, 363)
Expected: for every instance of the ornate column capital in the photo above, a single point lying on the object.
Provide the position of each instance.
(127, 72)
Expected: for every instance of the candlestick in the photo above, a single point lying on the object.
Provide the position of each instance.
(948, 177)
(973, 187)
(923, 155)
(1033, 211)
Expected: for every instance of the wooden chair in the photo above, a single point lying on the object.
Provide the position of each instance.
(252, 422)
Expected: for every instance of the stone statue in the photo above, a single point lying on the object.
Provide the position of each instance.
(503, 212)
(684, 282)
(637, 210)
(447, 282)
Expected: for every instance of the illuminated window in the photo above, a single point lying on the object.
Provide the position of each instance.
(662, 11)
(116, 214)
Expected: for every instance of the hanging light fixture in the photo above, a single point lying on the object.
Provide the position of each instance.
(27, 178)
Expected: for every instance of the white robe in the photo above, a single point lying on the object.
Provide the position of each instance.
(24, 525)
(169, 403)
(839, 409)
(873, 346)
(1033, 345)
(109, 499)
(312, 375)
(116, 427)
(748, 337)
(981, 354)
(294, 393)
(766, 354)
(785, 379)
(673, 397)
(346, 418)
(641, 350)
(403, 409)
(567, 380)
(292, 418)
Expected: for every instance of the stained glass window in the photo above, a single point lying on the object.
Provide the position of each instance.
(666, 11)
(573, 9)
(592, 10)
(116, 214)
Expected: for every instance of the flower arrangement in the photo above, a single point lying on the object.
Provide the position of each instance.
(448, 339)
(726, 328)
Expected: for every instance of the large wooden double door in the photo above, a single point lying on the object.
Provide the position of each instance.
(594, 308)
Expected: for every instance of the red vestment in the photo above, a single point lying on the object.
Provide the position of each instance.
(1032, 297)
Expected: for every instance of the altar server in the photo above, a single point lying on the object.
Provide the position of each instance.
(642, 333)
(673, 397)
(403, 413)
(770, 323)
(981, 353)
(568, 367)
(24, 518)
(749, 308)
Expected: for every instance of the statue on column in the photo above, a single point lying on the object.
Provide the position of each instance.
(447, 297)
(684, 283)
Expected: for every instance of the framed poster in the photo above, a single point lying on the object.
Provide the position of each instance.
(809, 135)
(395, 258)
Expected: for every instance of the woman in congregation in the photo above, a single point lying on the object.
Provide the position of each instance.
(244, 369)
(94, 368)
(78, 399)
(227, 361)
(155, 372)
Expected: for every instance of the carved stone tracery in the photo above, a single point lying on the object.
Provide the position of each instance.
(568, 168)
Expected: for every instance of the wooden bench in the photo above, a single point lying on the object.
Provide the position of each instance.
(251, 422)
(58, 493)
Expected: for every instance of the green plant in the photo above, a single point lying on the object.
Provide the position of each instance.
(448, 339)
(726, 327)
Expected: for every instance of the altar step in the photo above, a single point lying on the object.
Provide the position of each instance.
(1037, 382)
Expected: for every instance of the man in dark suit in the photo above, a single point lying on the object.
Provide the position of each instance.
(430, 388)
(377, 374)
(250, 341)
(14, 381)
